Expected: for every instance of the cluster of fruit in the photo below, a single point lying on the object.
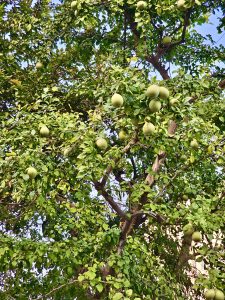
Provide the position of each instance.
(196, 236)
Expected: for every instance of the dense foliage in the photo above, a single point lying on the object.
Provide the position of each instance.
(105, 220)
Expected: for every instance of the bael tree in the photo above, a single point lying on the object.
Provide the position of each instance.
(111, 197)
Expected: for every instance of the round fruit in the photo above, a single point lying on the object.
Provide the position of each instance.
(122, 135)
(188, 229)
(44, 131)
(141, 5)
(39, 65)
(181, 4)
(166, 40)
(211, 149)
(163, 92)
(194, 144)
(196, 236)
(219, 295)
(148, 129)
(152, 91)
(185, 197)
(209, 294)
(73, 4)
(101, 143)
(117, 100)
(173, 102)
(32, 172)
(154, 105)
(67, 151)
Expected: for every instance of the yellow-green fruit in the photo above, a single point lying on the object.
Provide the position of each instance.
(44, 131)
(101, 143)
(209, 294)
(32, 172)
(39, 65)
(163, 92)
(148, 129)
(194, 144)
(173, 102)
(211, 149)
(185, 197)
(141, 5)
(219, 295)
(152, 91)
(166, 40)
(134, 121)
(117, 100)
(196, 236)
(154, 105)
(188, 229)
(181, 4)
(67, 151)
(122, 135)
(73, 4)
(129, 293)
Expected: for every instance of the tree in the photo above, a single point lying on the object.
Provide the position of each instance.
(116, 219)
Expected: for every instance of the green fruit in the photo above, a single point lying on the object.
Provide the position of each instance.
(154, 105)
(209, 294)
(39, 65)
(101, 143)
(181, 4)
(188, 229)
(73, 4)
(44, 131)
(194, 144)
(32, 172)
(185, 197)
(148, 129)
(122, 135)
(141, 5)
(163, 92)
(196, 236)
(219, 295)
(117, 100)
(173, 102)
(166, 40)
(67, 151)
(129, 293)
(152, 91)
(211, 149)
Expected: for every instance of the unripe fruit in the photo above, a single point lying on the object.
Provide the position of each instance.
(73, 4)
(185, 197)
(39, 65)
(101, 143)
(181, 4)
(163, 92)
(173, 102)
(44, 131)
(67, 151)
(209, 294)
(196, 236)
(219, 295)
(117, 100)
(148, 129)
(194, 144)
(152, 91)
(154, 105)
(122, 135)
(188, 229)
(211, 149)
(141, 5)
(166, 40)
(32, 172)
